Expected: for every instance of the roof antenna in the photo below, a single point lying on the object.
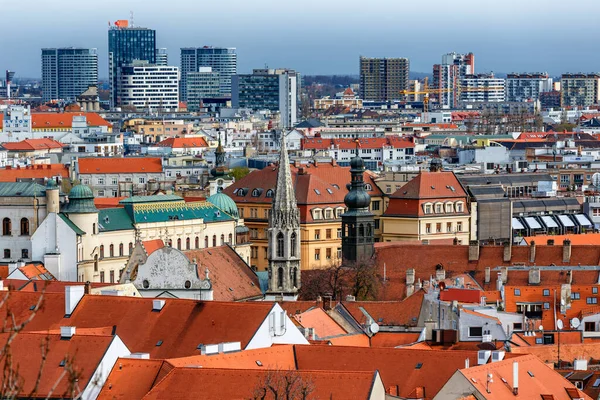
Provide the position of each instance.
(131, 18)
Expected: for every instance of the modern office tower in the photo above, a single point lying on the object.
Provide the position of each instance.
(162, 57)
(448, 74)
(481, 88)
(580, 89)
(221, 59)
(68, 72)
(527, 87)
(125, 45)
(383, 79)
(276, 90)
(148, 86)
(201, 85)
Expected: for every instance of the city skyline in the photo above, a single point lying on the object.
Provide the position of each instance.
(325, 39)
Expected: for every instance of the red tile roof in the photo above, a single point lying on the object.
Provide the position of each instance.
(461, 295)
(281, 357)
(152, 245)
(33, 144)
(431, 185)
(387, 313)
(582, 239)
(130, 378)
(108, 202)
(183, 143)
(232, 279)
(323, 325)
(394, 339)
(63, 120)
(93, 165)
(39, 171)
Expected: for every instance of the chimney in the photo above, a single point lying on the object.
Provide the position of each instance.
(488, 271)
(570, 276)
(566, 251)
(534, 276)
(499, 281)
(550, 242)
(88, 288)
(532, 252)
(410, 276)
(67, 332)
(507, 254)
(157, 305)
(73, 294)
(515, 378)
(466, 362)
(440, 273)
(474, 250)
(504, 271)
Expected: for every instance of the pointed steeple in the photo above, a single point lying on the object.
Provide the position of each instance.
(284, 207)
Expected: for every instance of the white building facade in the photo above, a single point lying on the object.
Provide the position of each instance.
(148, 86)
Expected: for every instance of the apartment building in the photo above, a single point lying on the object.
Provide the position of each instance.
(580, 89)
(383, 79)
(482, 88)
(527, 87)
(222, 60)
(447, 77)
(147, 86)
(68, 72)
(200, 85)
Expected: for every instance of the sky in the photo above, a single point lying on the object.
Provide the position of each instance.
(319, 36)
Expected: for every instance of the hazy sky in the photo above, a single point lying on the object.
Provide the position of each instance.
(320, 36)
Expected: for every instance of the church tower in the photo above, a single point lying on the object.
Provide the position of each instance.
(219, 179)
(357, 222)
(284, 234)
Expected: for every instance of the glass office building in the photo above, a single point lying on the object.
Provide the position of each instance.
(68, 72)
(126, 45)
(220, 59)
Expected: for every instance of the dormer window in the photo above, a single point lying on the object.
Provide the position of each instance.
(328, 213)
(449, 208)
(317, 214)
(255, 193)
(270, 193)
(241, 193)
(439, 208)
(428, 208)
(368, 187)
(459, 207)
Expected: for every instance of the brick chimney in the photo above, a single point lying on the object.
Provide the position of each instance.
(474, 250)
(507, 254)
(532, 252)
(488, 271)
(566, 251)
(534, 276)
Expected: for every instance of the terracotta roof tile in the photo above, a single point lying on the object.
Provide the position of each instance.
(63, 120)
(355, 340)
(39, 171)
(394, 339)
(130, 378)
(152, 245)
(323, 325)
(106, 165)
(582, 239)
(388, 313)
(276, 357)
(461, 295)
(33, 144)
(183, 143)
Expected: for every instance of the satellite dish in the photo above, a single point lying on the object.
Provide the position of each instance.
(575, 322)
(373, 328)
(560, 324)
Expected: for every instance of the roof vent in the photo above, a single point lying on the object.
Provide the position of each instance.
(157, 305)
(483, 356)
(141, 356)
(67, 332)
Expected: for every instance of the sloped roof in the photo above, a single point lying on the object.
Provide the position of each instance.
(431, 185)
(63, 120)
(281, 356)
(114, 219)
(108, 165)
(183, 143)
(152, 245)
(388, 313)
(231, 278)
(40, 171)
(33, 144)
(323, 325)
(394, 339)
(130, 378)
(21, 189)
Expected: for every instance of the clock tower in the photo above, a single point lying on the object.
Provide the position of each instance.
(219, 178)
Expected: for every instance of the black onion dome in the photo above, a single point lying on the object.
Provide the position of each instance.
(357, 199)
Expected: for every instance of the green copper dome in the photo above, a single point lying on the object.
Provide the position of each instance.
(225, 203)
(81, 201)
(51, 184)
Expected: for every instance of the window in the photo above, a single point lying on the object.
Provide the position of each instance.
(280, 277)
(317, 234)
(197, 243)
(100, 181)
(254, 252)
(316, 213)
(517, 292)
(517, 326)
(121, 249)
(590, 327)
(591, 300)
(368, 187)
(241, 212)
(24, 227)
(317, 254)
(6, 227)
(459, 207)
(111, 250)
(328, 234)
(438, 227)
(130, 248)
(595, 290)
(459, 226)
(475, 331)
(438, 208)
(427, 208)
(187, 243)
(339, 233)
(230, 239)
(222, 239)
(214, 241)
(294, 245)
(94, 228)
(449, 207)
(102, 276)
(575, 296)
(205, 241)
(112, 276)
(142, 180)
(546, 306)
(328, 213)
(6, 253)
(449, 227)
(427, 228)
(375, 205)
(546, 292)
(24, 253)
(328, 254)
(280, 244)
(101, 251)
(113, 181)
(100, 193)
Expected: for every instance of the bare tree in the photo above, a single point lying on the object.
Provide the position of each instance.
(283, 385)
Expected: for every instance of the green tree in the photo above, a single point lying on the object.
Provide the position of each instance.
(239, 172)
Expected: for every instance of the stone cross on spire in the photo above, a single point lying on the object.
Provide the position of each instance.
(284, 208)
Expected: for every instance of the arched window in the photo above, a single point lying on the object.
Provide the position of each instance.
(24, 227)
(222, 239)
(6, 227)
(121, 249)
(96, 263)
(205, 241)
(111, 250)
(295, 277)
(280, 244)
(270, 193)
(179, 244)
(130, 248)
(102, 251)
(369, 232)
(230, 238)
(368, 187)
(293, 244)
(214, 240)
(94, 228)
(280, 277)
(361, 230)
(187, 243)
(197, 243)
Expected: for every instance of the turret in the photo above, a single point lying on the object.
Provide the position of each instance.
(52, 197)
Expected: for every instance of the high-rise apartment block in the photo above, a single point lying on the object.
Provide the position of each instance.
(580, 89)
(204, 84)
(481, 88)
(383, 79)
(221, 59)
(448, 74)
(527, 87)
(68, 72)
(127, 44)
(162, 57)
(276, 90)
(148, 86)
